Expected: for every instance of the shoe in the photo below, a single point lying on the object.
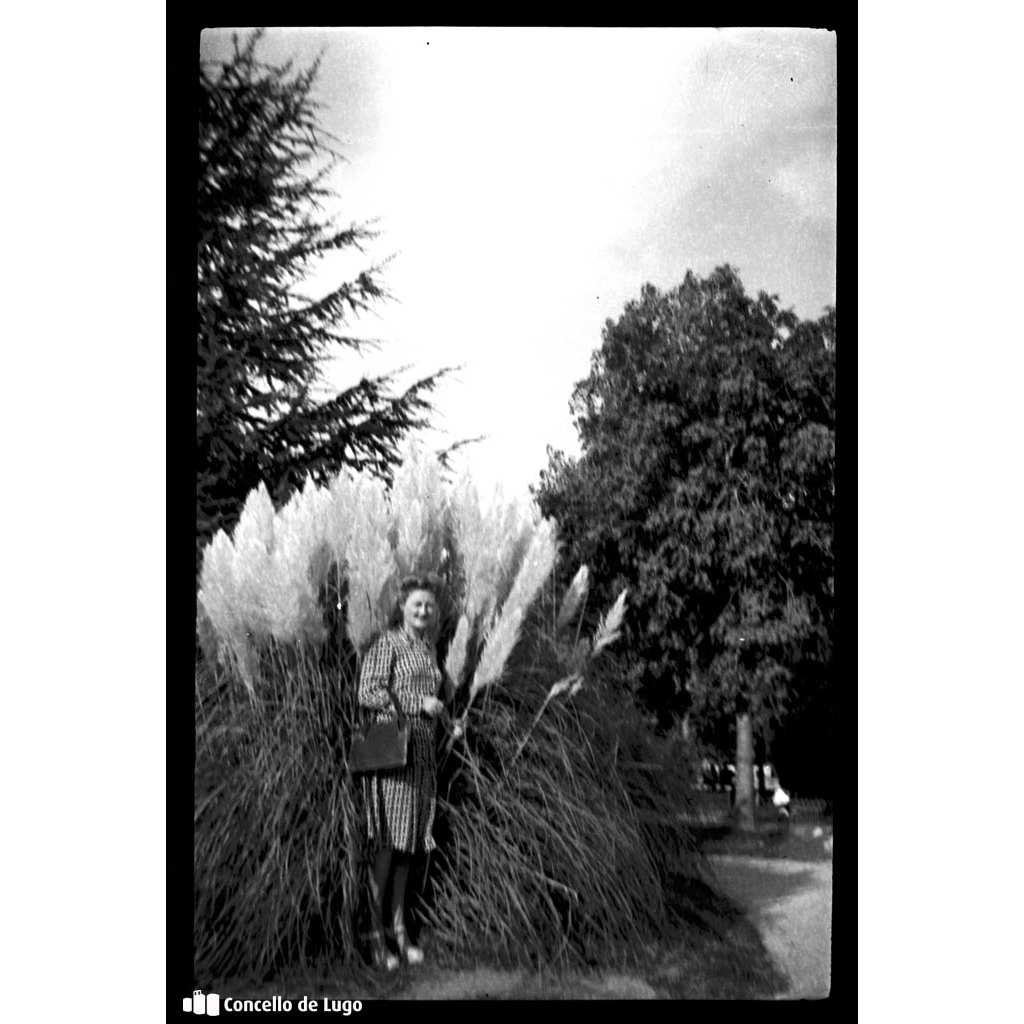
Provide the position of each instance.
(413, 954)
(382, 957)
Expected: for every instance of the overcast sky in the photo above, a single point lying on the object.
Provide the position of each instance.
(529, 181)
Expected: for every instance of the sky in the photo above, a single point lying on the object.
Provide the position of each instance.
(526, 183)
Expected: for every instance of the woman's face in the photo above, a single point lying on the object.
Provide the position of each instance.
(418, 611)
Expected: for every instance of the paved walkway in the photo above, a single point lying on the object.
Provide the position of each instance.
(790, 902)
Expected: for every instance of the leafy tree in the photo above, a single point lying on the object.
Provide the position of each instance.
(262, 343)
(705, 485)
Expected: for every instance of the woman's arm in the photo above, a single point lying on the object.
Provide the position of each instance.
(375, 673)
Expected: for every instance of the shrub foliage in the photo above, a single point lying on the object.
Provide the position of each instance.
(555, 819)
(706, 484)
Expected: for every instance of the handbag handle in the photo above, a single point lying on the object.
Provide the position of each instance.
(391, 690)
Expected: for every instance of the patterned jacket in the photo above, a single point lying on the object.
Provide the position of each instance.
(412, 666)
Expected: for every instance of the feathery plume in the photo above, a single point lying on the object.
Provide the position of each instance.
(455, 663)
(477, 540)
(417, 502)
(218, 596)
(338, 514)
(254, 581)
(371, 564)
(500, 642)
(536, 566)
(573, 598)
(406, 506)
(610, 627)
(287, 581)
(515, 532)
(254, 543)
(256, 522)
(217, 585)
(489, 552)
(298, 566)
(571, 683)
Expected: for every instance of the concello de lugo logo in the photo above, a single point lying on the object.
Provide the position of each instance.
(198, 1003)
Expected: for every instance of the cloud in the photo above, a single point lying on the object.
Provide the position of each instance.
(754, 78)
(530, 181)
(809, 180)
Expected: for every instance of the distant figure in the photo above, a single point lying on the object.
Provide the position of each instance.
(781, 802)
(758, 782)
(771, 780)
(707, 774)
(729, 782)
(763, 794)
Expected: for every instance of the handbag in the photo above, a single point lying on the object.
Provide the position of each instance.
(381, 745)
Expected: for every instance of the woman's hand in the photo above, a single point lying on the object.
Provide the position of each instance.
(431, 707)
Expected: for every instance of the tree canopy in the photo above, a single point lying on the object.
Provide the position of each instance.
(705, 484)
(264, 165)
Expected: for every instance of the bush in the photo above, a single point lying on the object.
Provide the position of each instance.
(278, 842)
(556, 820)
(557, 828)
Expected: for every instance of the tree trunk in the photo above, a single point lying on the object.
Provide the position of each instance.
(744, 782)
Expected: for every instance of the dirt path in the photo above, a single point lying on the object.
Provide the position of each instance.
(790, 902)
(487, 983)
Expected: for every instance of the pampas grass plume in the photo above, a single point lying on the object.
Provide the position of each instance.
(218, 596)
(573, 598)
(338, 515)
(217, 584)
(610, 627)
(455, 663)
(571, 683)
(256, 523)
(299, 564)
(500, 642)
(417, 502)
(537, 565)
(371, 564)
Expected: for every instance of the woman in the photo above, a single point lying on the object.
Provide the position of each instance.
(400, 803)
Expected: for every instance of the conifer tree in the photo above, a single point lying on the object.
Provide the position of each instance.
(264, 165)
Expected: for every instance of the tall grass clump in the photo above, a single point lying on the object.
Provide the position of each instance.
(558, 827)
(556, 804)
(277, 843)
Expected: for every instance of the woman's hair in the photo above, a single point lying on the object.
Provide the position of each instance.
(411, 583)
